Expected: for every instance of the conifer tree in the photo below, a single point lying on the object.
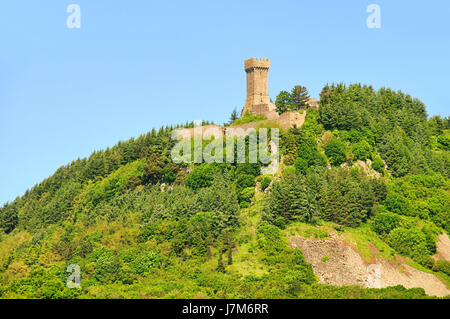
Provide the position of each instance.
(234, 116)
(220, 266)
(299, 97)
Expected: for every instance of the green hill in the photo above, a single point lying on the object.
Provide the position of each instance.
(367, 164)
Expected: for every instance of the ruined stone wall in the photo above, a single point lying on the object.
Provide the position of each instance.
(285, 121)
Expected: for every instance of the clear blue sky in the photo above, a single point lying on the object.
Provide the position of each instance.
(135, 65)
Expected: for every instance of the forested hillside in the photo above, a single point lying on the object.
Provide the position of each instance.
(141, 226)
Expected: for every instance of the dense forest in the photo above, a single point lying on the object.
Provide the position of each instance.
(141, 226)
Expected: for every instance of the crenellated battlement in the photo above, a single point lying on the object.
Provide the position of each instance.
(252, 63)
(258, 100)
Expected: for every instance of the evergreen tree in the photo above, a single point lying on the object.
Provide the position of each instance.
(234, 116)
(220, 266)
(299, 97)
(230, 257)
(283, 102)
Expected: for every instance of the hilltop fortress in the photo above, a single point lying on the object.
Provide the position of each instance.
(258, 100)
(257, 103)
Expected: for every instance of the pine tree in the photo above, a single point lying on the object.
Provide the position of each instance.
(228, 244)
(234, 116)
(300, 97)
(220, 266)
(209, 241)
(230, 257)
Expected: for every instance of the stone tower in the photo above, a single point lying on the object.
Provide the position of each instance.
(258, 100)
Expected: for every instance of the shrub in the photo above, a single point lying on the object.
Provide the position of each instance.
(107, 267)
(308, 155)
(248, 169)
(336, 152)
(384, 223)
(444, 142)
(202, 176)
(410, 242)
(301, 165)
(362, 150)
(247, 194)
(271, 240)
(443, 266)
(244, 181)
(265, 182)
(280, 222)
(248, 118)
(396, 203)
(378, 164)
(290, 200)
(349, 197)
(147, 261)
(425, 261)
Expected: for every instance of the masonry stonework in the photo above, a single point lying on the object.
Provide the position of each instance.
(258, 100)
(257, 103)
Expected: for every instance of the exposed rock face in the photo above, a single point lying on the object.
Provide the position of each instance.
(338, 263)
(443, 247)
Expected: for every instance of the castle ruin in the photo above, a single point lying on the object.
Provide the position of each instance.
(258, 100)
(257, 103)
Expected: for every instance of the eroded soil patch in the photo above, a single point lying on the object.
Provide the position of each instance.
(338, 263)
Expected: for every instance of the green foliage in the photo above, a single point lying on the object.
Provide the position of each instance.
(397, 155)
(425, 196)
(378, 164)
(107, 267)
(248, 118)
(233, 117)
(393, 122)
(265, 182)
(309, 156)
(220, 266)
(289, 201)
(246, 194)
(295, 100)
(350, 197)
(301, 165)
(159, 170)
(202, 176)
(271, 240)
(222, 200)
(284, 102)
(344, 108)
(148, 261)
(42, 284)
(244, 181)
(443, 266)
(8, 218)
(396, 203)
(410, 242)
(133, 238)
(336, 152)
(302, 146)
(300, 97)
(362, 150)
(384, 223)
(444, 142)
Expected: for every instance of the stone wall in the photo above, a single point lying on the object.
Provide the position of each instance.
(285, 121)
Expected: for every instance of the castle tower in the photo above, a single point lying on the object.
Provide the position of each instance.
(258, 100)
